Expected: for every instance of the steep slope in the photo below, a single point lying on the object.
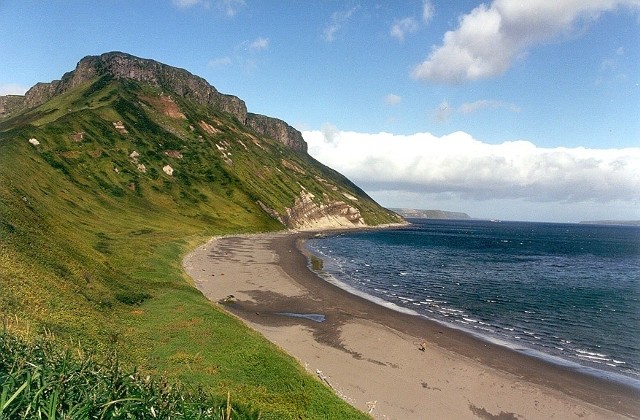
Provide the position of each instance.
(118, 103)
(109, 175)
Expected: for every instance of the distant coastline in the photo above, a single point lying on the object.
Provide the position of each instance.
(431, 214)
(612, 222)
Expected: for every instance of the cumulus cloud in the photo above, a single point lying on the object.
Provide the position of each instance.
(490, 37)
(12, 89)
(392, 99)
(338, 20)
(460, 166)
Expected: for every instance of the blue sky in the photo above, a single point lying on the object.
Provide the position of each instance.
(503, 109)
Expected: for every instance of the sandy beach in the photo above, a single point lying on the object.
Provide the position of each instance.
(373, 357)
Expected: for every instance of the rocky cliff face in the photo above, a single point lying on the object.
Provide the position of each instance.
(307, 214)
(10, 103)
(124, 66)
(278, 130)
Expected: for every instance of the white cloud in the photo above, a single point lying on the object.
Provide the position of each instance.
(219, 62)
(392, 99)
(457, 165)
(444, 110)
(608, 64)
(259, 44)
(427, 11)
(12, 89)
(490, 37)
(338, 20)
(402, 27)
(410, 25)
(230, 7)
(184, 4)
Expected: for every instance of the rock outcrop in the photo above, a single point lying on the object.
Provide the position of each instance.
(179, 81)
(307, 214)
(10, 103)
(277, 130)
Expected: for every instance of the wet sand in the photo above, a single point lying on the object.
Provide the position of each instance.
(371, 355)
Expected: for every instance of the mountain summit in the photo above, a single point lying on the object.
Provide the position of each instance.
(119, 65)
(158, 125)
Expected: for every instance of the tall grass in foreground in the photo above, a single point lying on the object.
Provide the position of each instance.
(40, 380)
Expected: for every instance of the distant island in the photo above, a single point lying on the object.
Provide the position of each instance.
(612, 222)
(432, 214)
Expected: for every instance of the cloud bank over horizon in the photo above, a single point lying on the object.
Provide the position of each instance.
(459, 166)
(490, 38)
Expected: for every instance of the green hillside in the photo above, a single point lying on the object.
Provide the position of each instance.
(104, 188)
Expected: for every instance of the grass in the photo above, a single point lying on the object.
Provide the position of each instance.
(93, 255)
(42, 379)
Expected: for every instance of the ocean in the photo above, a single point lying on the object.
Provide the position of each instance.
(568, 293)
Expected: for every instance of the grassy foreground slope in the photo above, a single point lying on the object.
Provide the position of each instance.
(91, 241)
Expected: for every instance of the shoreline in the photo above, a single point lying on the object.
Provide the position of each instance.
(553, 360)
(369, 354)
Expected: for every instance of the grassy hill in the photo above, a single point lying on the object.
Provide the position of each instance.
(103, 189)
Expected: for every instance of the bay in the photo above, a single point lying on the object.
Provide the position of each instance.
(566, 292)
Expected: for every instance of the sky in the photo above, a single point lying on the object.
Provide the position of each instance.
(503, 109)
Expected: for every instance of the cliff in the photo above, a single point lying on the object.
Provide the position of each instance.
(10, 103)
(120, 65)
(277, 130)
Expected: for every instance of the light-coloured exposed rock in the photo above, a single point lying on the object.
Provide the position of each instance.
(119, 125)
(349, 196)
(168, 170)
(35, 142)
(293, 166)
(208, 127)
(173, 153)
(78, 137)
(310, 214)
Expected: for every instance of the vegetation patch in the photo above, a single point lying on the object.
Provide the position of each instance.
(91, 249)
(41, 379)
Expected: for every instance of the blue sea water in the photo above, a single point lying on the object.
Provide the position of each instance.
(569, 293)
